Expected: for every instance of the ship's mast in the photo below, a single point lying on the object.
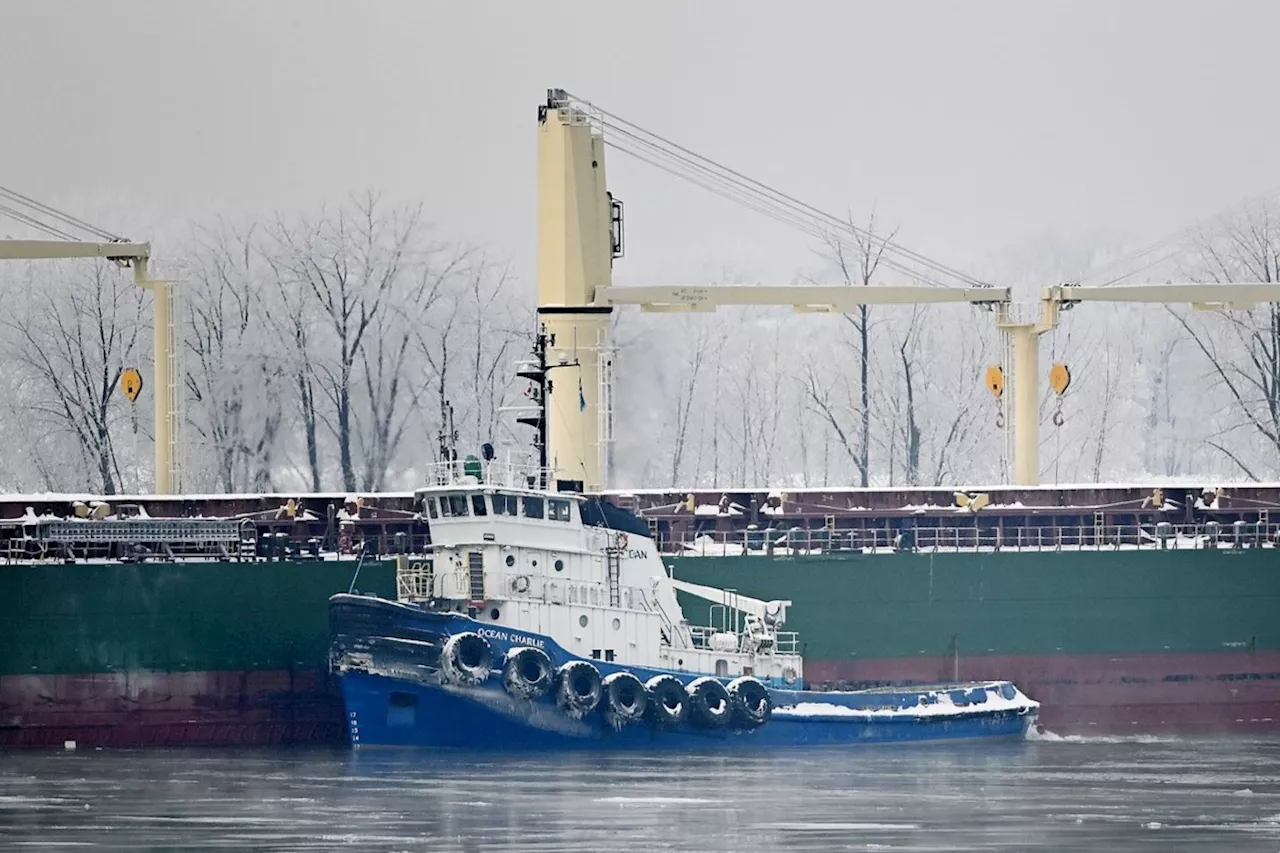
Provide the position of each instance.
(536, 417)
(536, 372)
(448, 439)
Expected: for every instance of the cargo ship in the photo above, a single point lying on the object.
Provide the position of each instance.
(204, 620)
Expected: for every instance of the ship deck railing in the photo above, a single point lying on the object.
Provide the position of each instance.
(784, 642)
(1101, 537)
(502, 474)
(176, 539)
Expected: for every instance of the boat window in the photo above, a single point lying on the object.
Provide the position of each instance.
(477, 505)
(431, 507)
(558, 510)
(453, 505)
(533, 507)
(504, 504)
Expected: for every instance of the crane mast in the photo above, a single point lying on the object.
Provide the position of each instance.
(575, 232)
(166, 386)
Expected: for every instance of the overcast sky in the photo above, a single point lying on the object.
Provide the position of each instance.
(977, 127)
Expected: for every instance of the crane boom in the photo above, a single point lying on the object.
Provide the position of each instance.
(1206, 295)
(52, 249)
(775, 611)
(816, 297)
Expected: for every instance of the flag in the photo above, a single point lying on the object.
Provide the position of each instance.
(582, 400)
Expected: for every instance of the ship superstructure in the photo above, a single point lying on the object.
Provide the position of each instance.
(587, 575)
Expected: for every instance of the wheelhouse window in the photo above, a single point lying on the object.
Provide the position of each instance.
(477, 505)
(533, 507)
(430, 506)
(557, 510)
(453, 506)
(504, 504)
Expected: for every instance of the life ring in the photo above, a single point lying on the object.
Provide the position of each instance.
(466, 659)
(667, 702)
(624, 699)
(709, 705)
(578, 688)
(789, 674)
(520, 584)
(752, 704)
(527, 672)
(622, 541)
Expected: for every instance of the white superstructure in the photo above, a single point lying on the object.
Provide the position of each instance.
(525, 560)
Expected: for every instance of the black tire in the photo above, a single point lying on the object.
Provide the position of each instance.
(466, 659)
(527, 672)
(578, 688)
(709, 705)
(668, 704)
(625, 700)
(752, 704)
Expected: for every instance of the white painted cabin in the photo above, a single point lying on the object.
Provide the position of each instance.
(522, 560)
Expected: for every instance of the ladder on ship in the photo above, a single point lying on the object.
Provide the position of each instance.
(613, 564)
(475, 568)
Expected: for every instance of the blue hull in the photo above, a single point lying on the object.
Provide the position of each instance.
(396, 696)
(486, 718)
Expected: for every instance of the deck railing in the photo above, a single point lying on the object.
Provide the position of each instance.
(1114, 537)
(502, 473)
(784, 642)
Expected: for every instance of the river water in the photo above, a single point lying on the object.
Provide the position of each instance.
(1113, 794)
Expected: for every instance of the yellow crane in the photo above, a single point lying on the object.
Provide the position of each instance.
(166, 386)
(580, 233)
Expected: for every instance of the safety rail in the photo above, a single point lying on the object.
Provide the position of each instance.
(199, 539)
(702, 635)
(172, 530)
(1088, 537)
(473, 472)
(415, 578)
(784, 642)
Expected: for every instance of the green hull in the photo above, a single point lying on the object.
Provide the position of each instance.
(173, 617)
(1131, 640)
(160, 653)
(237, 652)
(1012, 603)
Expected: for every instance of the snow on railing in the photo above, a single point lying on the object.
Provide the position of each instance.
(1086, 537)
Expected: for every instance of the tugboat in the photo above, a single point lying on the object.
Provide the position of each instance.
(544, 618)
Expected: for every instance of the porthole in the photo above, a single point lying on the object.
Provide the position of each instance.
(494, 614)
(582, 620)
(533, 563)
(559, 565)
(511, 560)
(617, 624)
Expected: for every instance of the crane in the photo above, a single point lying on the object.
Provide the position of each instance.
(773, 612)
(580, 234)
(761, 619)
(167, 388)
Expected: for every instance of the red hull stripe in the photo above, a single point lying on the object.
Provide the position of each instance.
(163, 709)
(1228, 691)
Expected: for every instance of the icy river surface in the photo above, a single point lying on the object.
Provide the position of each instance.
(1114, 794)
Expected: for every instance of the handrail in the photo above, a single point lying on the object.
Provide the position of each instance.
(1083, 537)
